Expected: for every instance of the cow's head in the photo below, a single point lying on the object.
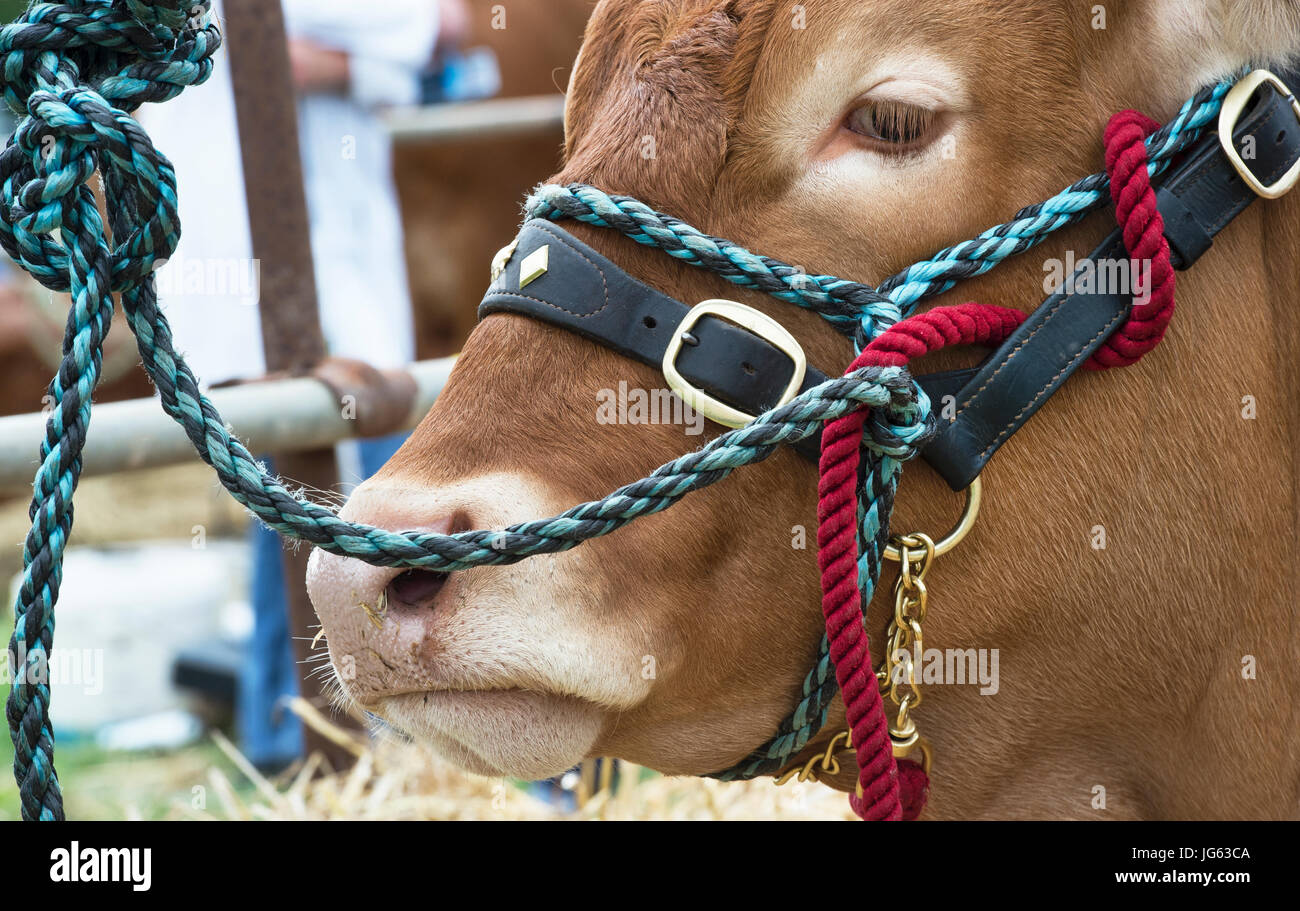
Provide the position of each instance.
(852, 138)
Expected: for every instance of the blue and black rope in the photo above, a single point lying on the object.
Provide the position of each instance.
(131, 52)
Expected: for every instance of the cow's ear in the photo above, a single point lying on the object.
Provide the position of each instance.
(1218, 37)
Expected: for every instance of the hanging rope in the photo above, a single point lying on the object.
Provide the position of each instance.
(837, 545)
(886, 790)
(73, 69)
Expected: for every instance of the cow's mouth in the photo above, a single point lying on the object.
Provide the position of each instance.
(521, 733)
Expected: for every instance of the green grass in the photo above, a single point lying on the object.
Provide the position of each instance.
(10, 9)
(9, 807)
(99, 784)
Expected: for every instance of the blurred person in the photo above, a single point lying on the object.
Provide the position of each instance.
(13, 311)
(348, 62)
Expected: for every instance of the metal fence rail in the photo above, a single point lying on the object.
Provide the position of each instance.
(476, 119)
(276, 416)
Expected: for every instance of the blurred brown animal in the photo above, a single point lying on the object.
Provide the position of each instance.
(460, 202)
(31, 338)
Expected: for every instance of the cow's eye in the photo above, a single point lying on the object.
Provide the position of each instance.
(893, 125)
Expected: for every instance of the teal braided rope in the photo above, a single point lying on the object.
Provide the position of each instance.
(848, 306)
(902, 429)
(1034, 223)
(64, 67)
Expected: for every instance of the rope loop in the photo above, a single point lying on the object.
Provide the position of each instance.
(71, 69)
(1152, 271)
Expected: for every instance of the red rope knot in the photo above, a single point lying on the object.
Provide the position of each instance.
(1144, 238)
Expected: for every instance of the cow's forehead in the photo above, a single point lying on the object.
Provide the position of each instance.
(693, 84)
(831, 50)
(734, 53)
(648, 100)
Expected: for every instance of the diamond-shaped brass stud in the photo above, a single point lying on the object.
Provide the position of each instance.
(534, 266)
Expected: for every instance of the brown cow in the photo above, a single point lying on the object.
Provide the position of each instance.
(1123, 667)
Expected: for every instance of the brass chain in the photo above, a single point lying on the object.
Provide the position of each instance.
(824, 761)
(898, 673)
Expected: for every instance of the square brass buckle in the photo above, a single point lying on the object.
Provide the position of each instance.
(748, 318)
(1234, 104)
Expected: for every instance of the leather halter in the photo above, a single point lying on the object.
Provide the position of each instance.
(585, 293)
(1199, 198)
(550, 275)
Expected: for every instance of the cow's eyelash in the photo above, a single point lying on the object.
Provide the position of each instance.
(895, 126)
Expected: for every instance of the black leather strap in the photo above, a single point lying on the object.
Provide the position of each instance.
(584, 292)
(1197, 200)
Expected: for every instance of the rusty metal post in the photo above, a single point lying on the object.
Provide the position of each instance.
(291, 331)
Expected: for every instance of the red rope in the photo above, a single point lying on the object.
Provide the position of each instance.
(1144, 238)
(837, 556)
(891, 790)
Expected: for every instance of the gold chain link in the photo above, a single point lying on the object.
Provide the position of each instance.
(897, 671)
(826, 760)
(898, 674)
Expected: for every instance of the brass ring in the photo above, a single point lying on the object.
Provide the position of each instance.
(974, 495)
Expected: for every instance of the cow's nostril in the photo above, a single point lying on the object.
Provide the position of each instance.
(416, 588)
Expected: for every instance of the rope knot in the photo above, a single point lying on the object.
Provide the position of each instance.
(73, 68)
(57, 157)
(89, 41)
(901, 428)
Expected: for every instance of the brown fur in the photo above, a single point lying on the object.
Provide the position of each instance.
(1119, 667)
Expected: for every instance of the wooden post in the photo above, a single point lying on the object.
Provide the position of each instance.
(278, 223)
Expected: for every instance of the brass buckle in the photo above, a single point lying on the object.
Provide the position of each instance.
(1234, 104)
(757, 322)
